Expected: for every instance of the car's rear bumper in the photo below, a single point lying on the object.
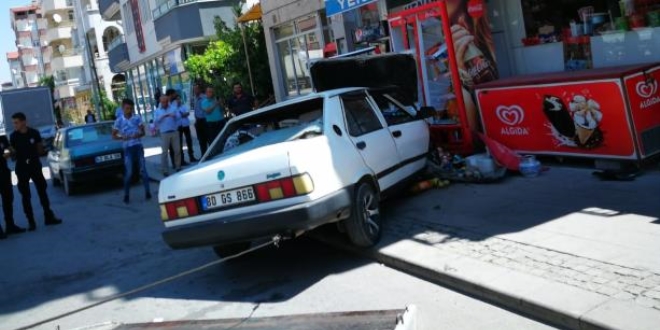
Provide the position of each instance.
(246, 227)
(95, 172)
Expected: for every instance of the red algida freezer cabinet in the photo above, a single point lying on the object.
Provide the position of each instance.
(609, 113)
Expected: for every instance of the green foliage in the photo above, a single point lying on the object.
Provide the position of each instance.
(225, 62)
(108, 106)
(50, 82)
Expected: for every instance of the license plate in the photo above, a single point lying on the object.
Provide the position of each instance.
(228, 198)
(107, 158)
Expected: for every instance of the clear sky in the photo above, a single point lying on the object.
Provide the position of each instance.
(7, 43)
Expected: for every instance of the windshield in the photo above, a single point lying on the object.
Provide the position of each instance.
(88, 134)
(296, 121)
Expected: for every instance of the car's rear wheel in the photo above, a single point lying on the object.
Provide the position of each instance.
(229, 250)
(364, 226)
(68, 186)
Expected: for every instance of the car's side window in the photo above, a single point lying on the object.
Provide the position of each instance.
(393, 113)
(360, 116)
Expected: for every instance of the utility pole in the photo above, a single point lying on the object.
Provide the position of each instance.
(98, 105)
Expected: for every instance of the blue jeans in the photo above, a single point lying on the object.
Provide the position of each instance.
(135, 155)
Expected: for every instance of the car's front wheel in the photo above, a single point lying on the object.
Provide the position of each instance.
(228, 250)
(364, 227)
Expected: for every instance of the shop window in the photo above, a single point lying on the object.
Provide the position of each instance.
(283, 31)
(306, 24)
(360, 116)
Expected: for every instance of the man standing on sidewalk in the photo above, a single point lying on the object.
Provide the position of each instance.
(214, 114)
(27, 146)
(130, 129)
(200, 120)
(184, 130)
(167, 119)
(7, 192)
(240, 102)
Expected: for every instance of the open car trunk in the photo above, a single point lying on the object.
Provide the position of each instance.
(373, 71)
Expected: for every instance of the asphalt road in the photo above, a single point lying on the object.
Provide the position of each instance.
(105, 248)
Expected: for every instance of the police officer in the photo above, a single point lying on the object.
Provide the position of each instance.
(7, 192)
(26, 148)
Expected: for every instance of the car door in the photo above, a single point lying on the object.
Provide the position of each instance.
(371, 138)
(55, 153)
(410, 134)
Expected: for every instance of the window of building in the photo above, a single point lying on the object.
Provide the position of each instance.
(145, 10)
(128, 19)
(71, 17)
(69, 3)
(298, 44)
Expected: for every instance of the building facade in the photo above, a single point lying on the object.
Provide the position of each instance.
(67, 58)
(32, 60)
(158, 36)
(94, 37)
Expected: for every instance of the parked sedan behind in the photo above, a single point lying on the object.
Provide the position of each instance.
(84, 153)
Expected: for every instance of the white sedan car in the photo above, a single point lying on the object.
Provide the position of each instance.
(286, 169)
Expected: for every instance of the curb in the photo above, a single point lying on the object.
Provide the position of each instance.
(543, 313)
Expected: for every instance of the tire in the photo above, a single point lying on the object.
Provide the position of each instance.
(68, 186)
(364, 227)
(55, 179)
(228, 250)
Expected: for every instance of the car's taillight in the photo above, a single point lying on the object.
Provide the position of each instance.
(284, 188)
(179, 209)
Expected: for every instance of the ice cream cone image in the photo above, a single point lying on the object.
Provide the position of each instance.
(584, 134)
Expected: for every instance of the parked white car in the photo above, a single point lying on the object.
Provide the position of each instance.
(288, 168)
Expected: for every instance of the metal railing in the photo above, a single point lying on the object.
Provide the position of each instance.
(168, 6)
(115, 42)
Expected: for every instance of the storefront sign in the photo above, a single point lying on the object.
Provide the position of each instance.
(586, 118)
(643, 93)
(417, 3)
(334, 7)
(476, 8)
(137, 22)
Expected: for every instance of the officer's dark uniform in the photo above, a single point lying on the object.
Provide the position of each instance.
(28, 166)
(7, 191)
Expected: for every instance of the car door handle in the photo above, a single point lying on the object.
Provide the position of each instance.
(361, 145)
(396, 134)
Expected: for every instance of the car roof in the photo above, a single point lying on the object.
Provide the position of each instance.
(312, 96)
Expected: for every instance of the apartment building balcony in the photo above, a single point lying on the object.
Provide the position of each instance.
(53, 5)
(66, 90)
(59, 32)
(118, 55)
(189, 20)
(110, 10)
(66, 60)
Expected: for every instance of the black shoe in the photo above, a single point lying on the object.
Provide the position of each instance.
(15, 230)
(53, 221)
(32, 226)
(3, 235)
(148, 196)
(184, 164)
(126, 199)
(193, 159)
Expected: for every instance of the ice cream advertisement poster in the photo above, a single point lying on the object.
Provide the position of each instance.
(586, 118)
(644, 94)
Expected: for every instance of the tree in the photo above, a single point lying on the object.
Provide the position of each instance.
(224, 61)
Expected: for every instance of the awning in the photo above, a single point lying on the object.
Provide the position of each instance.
(253, 14)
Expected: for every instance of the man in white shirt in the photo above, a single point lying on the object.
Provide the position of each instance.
(184, 129)
(167, 120)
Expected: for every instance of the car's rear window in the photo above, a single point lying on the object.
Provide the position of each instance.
(88, 134)
(296, 121)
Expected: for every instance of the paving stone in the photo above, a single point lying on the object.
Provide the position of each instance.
(606, 290)
(622, 295)
(645, 301)
(652, 294)
(634, 289)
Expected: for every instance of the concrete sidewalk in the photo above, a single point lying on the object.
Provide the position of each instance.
(565, 247)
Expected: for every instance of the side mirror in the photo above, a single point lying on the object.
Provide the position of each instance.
(426, 112)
